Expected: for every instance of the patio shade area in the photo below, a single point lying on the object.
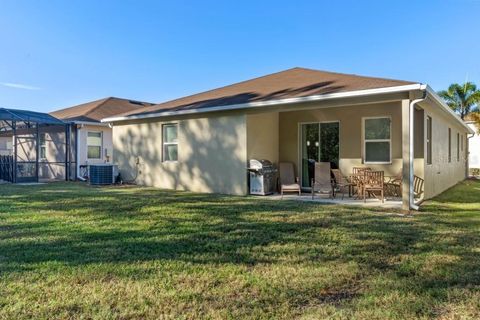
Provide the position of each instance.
(27, 141)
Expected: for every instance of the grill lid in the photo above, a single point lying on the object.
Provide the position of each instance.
(260, 164)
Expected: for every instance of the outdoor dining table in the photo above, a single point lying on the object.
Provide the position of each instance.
(358, 180)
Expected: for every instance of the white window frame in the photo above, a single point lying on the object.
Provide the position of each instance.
(458, 146)
(165, 144)
(429, 142)
(101, 144)
(364, 141)
(449, 145)
(42, 145)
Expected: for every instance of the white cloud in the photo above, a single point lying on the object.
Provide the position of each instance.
(18, 86)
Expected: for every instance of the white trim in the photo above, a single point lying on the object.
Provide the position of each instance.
(428, 152)
(328, 96)
(40, 146)
(364, 141)
(101, 145)
(88, 123)
(449, 158)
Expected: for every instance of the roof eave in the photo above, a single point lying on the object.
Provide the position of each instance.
(90, 123)
(322, 97)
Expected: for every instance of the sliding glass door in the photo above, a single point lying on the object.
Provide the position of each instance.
(319, 143)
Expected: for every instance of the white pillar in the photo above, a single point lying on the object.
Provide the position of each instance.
(406, 155)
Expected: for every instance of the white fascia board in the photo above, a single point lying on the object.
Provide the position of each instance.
(447, 109)
(321, 97)
(88, 123)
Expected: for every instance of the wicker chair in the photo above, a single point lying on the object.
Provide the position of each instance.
(322, 183)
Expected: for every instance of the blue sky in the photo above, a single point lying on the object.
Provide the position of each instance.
(56, 54)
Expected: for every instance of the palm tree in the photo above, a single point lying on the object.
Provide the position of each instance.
(463, 99)
(475, 116)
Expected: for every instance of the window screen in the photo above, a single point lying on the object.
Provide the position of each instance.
(377, 144)
(170, 142)
(94, 145)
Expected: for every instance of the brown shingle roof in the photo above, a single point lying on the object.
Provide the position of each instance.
(291, 83)
(96, 110)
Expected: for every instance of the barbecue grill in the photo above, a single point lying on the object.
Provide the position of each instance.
(262, 177)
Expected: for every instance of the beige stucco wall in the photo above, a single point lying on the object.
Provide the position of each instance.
(441, 174)
(262, 136)
(351, 145)
(212, 153)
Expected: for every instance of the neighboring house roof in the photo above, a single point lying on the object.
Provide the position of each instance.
(291, 83)
(96, 110)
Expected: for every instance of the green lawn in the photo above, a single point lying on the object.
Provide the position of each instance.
(72, 251)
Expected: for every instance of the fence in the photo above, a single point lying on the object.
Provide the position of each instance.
(6, 168)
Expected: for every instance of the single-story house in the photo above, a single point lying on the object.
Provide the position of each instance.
(93, 138)
(473, 146)
(203, 142)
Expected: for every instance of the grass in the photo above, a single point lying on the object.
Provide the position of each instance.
(70, 251)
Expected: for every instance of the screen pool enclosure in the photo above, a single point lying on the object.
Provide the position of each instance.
(35, 147)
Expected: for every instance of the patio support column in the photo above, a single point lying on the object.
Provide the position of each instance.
(37, 150)
(406, 155)
(15, 148)
(67, 151)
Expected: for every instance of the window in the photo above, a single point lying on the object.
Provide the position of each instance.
(461, 142)
(170, 142)
(429, 140)
(377, 144)
(449, 145)
(43, 146)
(94, 145)
(458, 146)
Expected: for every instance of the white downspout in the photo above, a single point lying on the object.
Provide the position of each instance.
(411, 148)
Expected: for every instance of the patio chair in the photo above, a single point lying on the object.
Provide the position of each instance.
(373, 182)
(418, 187)
(357, 180)
(341, 183)
(322, 182)
(393, 186)
(288, 182)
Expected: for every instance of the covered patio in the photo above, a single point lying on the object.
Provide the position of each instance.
(390, 202)
(28, 138)
(383, 136)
